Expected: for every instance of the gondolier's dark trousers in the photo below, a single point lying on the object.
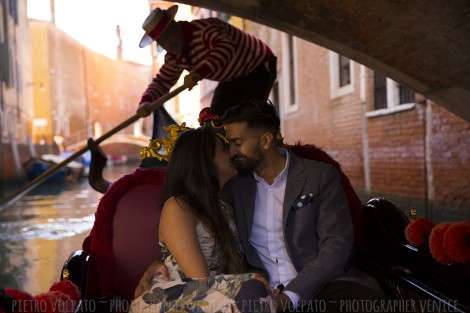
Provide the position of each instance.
(255, 85)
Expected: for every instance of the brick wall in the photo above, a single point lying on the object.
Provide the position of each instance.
(396, 141)
(451, 162)
(332, 124)
(397, 155)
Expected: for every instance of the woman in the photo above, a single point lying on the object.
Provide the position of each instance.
(198, 237)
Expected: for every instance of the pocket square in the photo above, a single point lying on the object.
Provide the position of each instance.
(302, 201)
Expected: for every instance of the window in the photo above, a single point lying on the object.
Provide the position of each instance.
(6, 63)
(406, 94)
(380, 91)
(344, 71)
(10, 122)
(57, 126)
(3, 22)
(13, 5)
(66, 127)
(390, 95)
(3, 128)
(289, 74)
(22, 127)
(341, 75)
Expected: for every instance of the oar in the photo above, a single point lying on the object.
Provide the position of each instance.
(143, 111)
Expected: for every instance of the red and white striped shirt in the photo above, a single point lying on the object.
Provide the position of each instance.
(212, 48)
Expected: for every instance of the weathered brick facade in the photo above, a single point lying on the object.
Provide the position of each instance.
(73, 89)
(418, 157)
(80, 85)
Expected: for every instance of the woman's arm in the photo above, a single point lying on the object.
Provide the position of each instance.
(178, 231)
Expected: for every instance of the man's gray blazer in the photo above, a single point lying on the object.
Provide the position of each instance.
(318, 235)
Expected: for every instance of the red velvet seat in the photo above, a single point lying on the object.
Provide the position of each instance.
(135, 237)
(124, 239)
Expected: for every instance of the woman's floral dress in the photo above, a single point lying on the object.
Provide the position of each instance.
(218, 293)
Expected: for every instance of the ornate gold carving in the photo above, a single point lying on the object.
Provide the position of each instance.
(153, 150)
(65, 274)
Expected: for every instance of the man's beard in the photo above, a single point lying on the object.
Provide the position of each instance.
(247, 167)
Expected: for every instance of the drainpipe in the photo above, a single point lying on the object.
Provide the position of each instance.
(429, 178)
(365, 137)
(2, 171)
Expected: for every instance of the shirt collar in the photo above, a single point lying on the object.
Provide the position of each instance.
(283, 173)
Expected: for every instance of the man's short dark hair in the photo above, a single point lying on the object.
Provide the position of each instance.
(257, 114)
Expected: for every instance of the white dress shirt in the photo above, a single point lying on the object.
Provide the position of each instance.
(267, 235)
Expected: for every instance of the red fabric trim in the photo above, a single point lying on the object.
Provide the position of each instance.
(312, 152)
(160, 27)
(101, 235)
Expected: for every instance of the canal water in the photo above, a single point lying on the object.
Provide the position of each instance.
(40, 231)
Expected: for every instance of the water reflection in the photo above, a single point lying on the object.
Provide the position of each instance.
(38, 232)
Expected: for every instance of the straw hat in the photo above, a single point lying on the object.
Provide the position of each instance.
(156, 23)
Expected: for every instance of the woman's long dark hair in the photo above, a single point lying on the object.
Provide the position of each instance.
(192, 176)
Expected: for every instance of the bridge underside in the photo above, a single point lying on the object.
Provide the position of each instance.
(423, 44)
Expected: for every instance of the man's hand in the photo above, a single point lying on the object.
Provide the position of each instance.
(191, 80)
(156, 268)
(283, 302)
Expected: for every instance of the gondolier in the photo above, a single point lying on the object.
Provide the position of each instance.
(244, 66)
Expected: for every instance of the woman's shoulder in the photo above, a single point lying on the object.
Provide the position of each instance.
(176, 203)
(176, 213)
(177, 208)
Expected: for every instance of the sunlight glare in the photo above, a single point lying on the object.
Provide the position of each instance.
(39, 10)
(93, 24)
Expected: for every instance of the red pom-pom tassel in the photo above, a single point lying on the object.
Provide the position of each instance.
(418, 231)
(24, 301)
(457, 242)
(436, 243)
(46, 303)
(67, 287)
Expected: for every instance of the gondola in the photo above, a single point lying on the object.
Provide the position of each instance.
(118, 250)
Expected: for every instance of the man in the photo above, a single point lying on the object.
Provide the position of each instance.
(244, 66)
(292, 216)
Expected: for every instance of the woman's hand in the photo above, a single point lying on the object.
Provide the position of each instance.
(274, 292)
(156, 268)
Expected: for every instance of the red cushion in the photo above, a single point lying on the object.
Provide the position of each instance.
(137, 195)
(135, 237)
